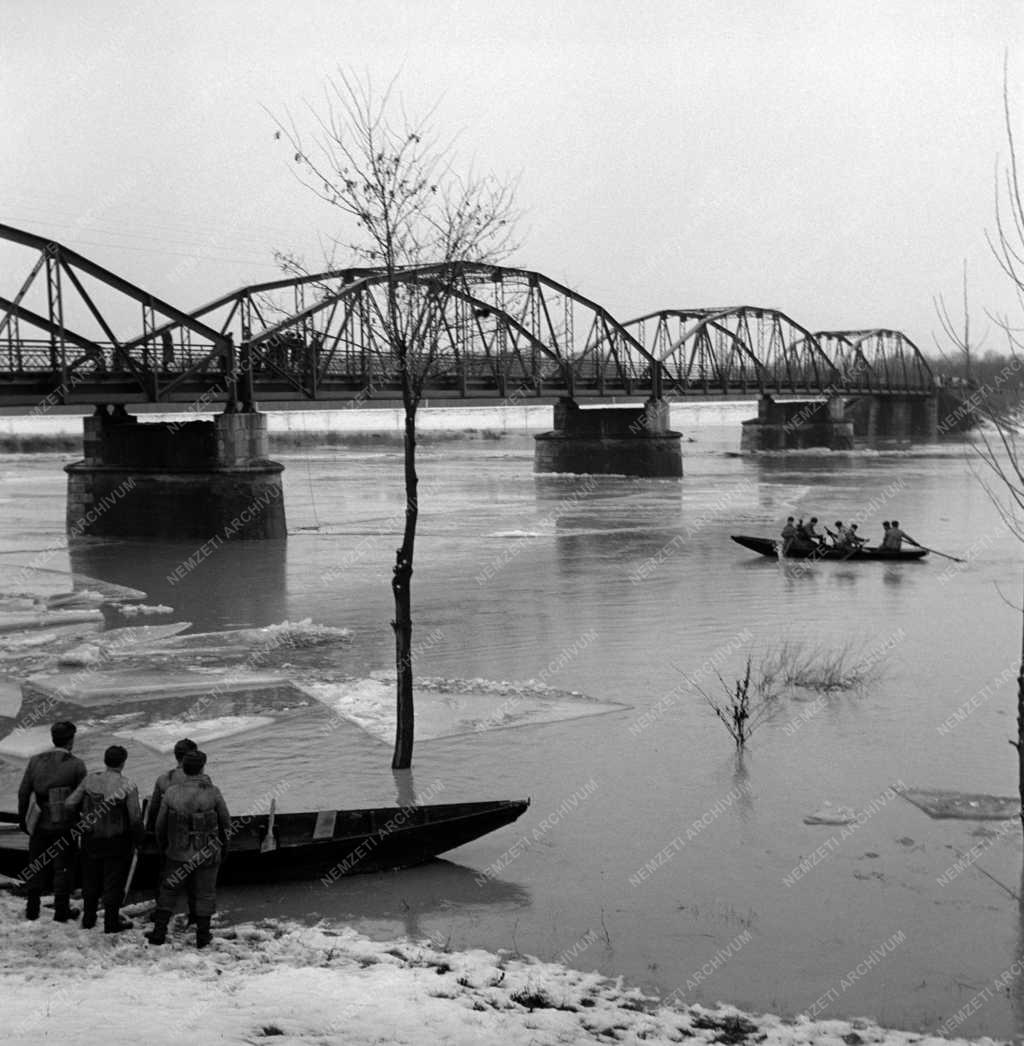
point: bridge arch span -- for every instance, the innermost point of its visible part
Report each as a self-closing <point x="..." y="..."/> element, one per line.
<point x="880" y="359"/>
<point x="735" y="349"/>
<point x="496" y="326"/>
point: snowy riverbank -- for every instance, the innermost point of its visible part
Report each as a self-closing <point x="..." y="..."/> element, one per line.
<point x="330" y="985"/>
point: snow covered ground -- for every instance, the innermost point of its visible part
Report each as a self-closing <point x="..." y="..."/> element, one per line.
<point x="287" y="983"/>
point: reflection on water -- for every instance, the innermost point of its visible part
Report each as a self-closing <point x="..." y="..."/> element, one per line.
<point x="512" y="570"/>
<point x="238" y="585"/>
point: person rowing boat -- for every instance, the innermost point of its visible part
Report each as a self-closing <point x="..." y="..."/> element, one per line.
<point x="894" y="538"/>
<point x="839" y="535"/>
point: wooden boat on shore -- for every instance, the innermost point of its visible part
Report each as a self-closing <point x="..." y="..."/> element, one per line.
<point x="326" y="844"/>
<point x="770" y="547"/>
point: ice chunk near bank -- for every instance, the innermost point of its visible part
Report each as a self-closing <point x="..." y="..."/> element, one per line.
<point x="829" y="814"/>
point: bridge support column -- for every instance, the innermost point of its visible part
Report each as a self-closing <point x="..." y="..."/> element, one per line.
<point x="628" y="441"/>
<point x="203" y="480"/>
<point x="796" y="425"/>
<point x="924" y="420"/>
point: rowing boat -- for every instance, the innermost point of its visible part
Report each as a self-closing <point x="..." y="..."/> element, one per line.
<point x="771" y="547"/>
<point x="325" y="844"/>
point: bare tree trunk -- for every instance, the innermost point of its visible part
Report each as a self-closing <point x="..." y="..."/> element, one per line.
<point x="1019" y="743"/>
<point x="401" y="583"/>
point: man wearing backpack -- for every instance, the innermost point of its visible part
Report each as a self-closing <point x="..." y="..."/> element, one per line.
<point x="49" y="779"/>
<point x="171" y="777"/>
<point x="110" y="827"/>
<point x="192" y="830"/>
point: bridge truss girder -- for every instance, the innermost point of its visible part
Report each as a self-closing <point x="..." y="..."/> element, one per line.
<point x="66" y="333"/>
<point x="490" y="327"/>
<point x="737" y="349"/>
<point x="878" y="360"/>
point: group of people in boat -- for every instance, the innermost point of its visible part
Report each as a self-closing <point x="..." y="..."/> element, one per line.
<point x="90" y="825"/>
<point x="801" y="536"/>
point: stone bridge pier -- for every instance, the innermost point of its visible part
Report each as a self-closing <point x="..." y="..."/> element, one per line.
<point x="798" y="424"/>
<point x="202" y="480"/>
<point x="903" y="418"/>
<point x="629" y="441"/>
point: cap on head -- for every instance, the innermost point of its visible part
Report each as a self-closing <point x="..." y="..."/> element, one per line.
<point x="115" y="756"/>
<point x="193" y="762"/>
<point x="63" y="732"/>
<point x="185" y="745"/>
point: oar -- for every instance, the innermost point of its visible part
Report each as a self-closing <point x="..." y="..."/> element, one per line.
<point x="936" y="552"/>
<point x="269" y="843"/>
<point x="131" y="876"/>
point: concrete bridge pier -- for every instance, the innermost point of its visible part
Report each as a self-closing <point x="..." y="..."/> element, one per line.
<point x="203" y="480"/>
<point x="629" y="441"/>
<point x="798" y="424"/>
<point x="902" y="418"/>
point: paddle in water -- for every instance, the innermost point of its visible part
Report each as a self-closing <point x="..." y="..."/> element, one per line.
<point x="934" y="552"/>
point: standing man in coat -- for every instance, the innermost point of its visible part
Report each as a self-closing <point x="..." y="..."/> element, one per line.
<point x="192" y="830"/>
<point x="49" y="779"/>
<point x="173" y="776"/>
<point x="110" y="827"/>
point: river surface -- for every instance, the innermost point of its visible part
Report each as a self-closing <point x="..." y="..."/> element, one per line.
<point x="650" y="850"/>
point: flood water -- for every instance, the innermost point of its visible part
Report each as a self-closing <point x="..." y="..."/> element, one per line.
<point x="617" y="589"/>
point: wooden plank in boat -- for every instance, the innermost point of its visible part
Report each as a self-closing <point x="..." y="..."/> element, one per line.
<point x="325" y="822"/>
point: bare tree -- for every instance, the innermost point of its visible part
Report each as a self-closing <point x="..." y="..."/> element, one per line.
<point x="410" y="214"/>
<point x="998" y="444"/>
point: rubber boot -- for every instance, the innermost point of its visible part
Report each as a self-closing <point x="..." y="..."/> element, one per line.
<point x="203" y="935"/>
<point x="32" y="906"/>
<point x="89" y="914"/>
<point x="161" y="917"/>
<point x="62" y="910"/>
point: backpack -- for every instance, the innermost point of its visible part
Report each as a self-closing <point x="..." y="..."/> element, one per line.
<point x="104" y="816"/>
<point x="55" y="813"/>
<point x="197" y="834"/>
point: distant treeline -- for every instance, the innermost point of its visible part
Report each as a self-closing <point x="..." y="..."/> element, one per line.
<point x="990" y="385"/>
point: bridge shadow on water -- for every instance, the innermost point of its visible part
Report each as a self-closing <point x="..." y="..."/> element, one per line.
<point x="230" y="585"/>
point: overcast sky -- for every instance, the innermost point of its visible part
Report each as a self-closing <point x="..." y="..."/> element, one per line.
<point x="833" y="160"/>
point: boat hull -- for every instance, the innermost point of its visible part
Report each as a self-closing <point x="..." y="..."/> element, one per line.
<point x="769" y="547"/>
<point x="358" y="841"/>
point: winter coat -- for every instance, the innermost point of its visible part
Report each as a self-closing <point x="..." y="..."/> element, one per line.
<point x="193" y="824"/>
<point x="51" y="777"/>
<point x="109" y="805"/>
<point x="163" y="782"/>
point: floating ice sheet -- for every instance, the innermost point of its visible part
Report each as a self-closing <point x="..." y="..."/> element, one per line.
<point x="163" y="734"/>
<point x="162" y="691"/>
<point x="447" y="708"/>
<point x="58" y="585"/>
<point x="964" y="806"/>
<point x="19" y="621"/>
<point x="119" y="641"/>
<point x="159" y="735"/>
<point x="286" y="635"/>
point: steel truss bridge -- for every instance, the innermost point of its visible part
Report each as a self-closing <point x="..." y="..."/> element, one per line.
<point x="71" y="332"/>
